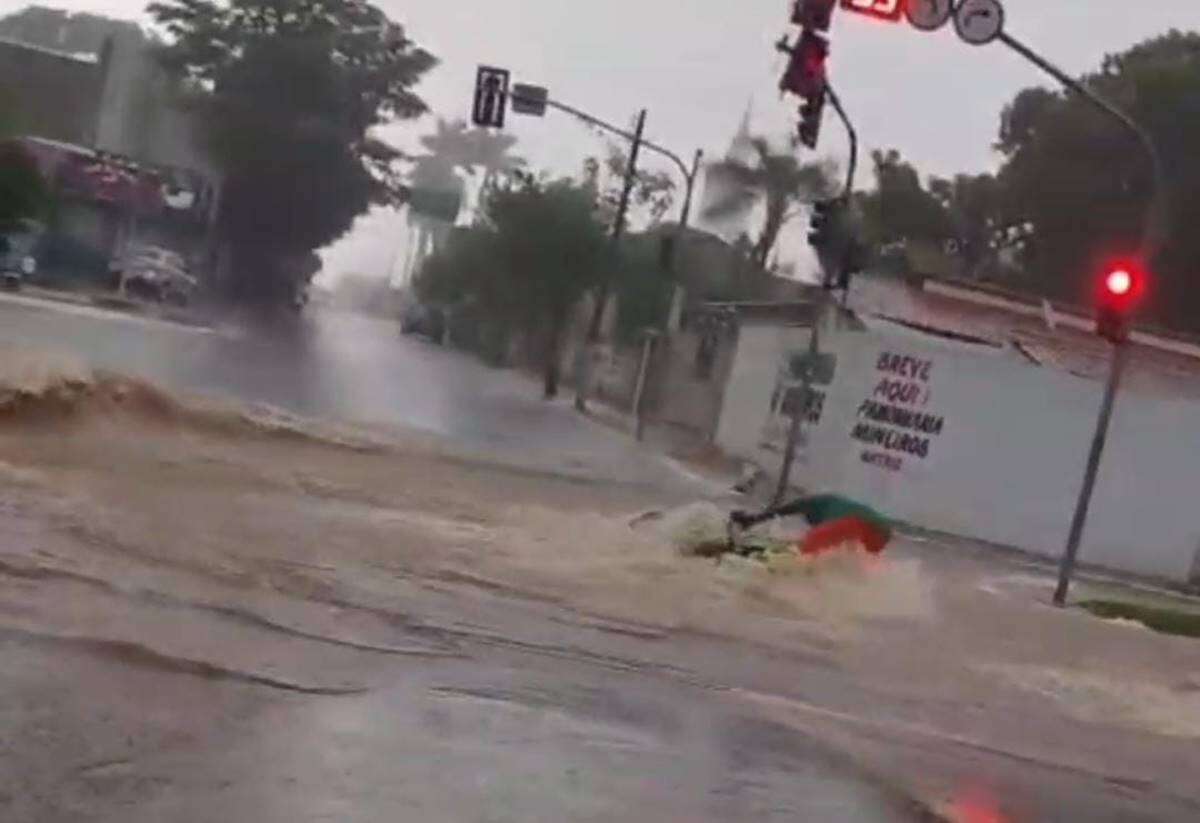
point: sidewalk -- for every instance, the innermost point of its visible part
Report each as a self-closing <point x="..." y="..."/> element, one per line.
<point x="110" y="301"/>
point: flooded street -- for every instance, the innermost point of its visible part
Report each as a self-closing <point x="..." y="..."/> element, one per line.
<point x="209" y="611"/>
<point x="336" y="366"/>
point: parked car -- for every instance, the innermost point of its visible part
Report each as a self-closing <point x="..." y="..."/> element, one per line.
<point x="423" y="320"/>
<point x="19" y="249"/>
<point x="156" y="274"/>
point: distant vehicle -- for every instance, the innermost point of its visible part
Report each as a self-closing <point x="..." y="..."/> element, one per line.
<point x="19" y="253"/>
<point x="426" y="321"/>
<point x="156" y="274"/>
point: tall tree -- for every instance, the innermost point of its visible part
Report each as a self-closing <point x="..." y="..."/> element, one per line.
<point x="900" y="209"/>
<point x="438" y="190"/>
<point x="538" y="248"/>
<point x="652" y="195"/>
<point x="776" y="179"/>
<point x="23" y="193"/>
<point x="1080" y="185"/>
<point x="290" y="90"/>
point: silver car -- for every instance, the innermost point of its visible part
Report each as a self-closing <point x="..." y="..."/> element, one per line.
<point x="156" y="274"/>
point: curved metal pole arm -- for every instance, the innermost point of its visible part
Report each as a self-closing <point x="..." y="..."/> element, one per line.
<point x="853" y="135"/>
<point x="628" y="136"/>
<point x="1156" y="219"/>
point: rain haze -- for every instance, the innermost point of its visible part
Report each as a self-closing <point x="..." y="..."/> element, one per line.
<point x="524" y="498"/>
<point x="699" y="66"/>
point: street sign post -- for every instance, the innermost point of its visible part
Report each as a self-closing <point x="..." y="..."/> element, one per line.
<point x="979" y="22"/>
<point x="929" y="15"/>
<point x="530" y="100"/>
<point x="491" y="97"/>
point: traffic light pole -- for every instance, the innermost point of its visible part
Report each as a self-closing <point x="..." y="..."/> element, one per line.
<point x="796" y="429"/>
<point x="1120" y="356"/>
<point x="1154" y="234"/>
<point x="852" y="166"/>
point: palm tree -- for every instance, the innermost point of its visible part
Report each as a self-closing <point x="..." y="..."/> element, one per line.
<point x="778" y="180"/>
<point x="453" y="148"/>
<point x="490" y="151"/>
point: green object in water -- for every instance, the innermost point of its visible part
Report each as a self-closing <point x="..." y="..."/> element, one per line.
<point x="1165" y="621"/>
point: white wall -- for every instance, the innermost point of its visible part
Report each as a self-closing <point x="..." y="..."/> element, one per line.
<point x="1009" y="460"/>
<point x="746" y="407"/>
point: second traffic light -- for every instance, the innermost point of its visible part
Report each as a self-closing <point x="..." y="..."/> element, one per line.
<point x="805" y="75"/>
<point x="1121" y="290"/>
<point x="812" y="112"/>
<point x="822" y="225"/>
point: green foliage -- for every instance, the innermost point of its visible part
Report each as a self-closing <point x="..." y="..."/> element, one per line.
<point x="1073" y="188"/>
<point x="643" y="286"/>
<point x="288" y="91"/>
<point x="779" y="181"/>
<point x="526" y="263"/>
<point x="1164" y="621"/>
<point x="23" y="193"/>
<point x="1082" y="185"/>
<point x="651" y="198"/>
<point x="900" y="209"/>
<point x="550" y="248"/>
<point x="914" y="223"/>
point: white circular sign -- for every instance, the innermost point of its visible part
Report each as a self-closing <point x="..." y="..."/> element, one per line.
<point x="929" y="15"/>
<point x="979" y="22"/>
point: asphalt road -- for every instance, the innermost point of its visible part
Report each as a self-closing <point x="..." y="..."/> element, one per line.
<point x="199" y="627"/>
<point x="149" y="702"/>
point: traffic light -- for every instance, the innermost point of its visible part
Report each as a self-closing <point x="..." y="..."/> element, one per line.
<point x="805" y="75"/>
<point x="820" y="235"/>
<point x="812" y="111"/>
<point x="854" y="261"/>
<point x="1121" y="289"/>
<point x="814" y="14"/>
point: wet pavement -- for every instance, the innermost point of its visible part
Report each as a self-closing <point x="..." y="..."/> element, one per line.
<point x="338" y="366"/>
<point x="206" y="622"/>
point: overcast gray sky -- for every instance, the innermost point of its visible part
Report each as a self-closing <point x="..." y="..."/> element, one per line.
<point x="696" y="64"/>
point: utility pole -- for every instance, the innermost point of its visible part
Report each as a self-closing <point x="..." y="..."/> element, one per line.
<point x="493" y="84"/>
<point x="586" y="354"/>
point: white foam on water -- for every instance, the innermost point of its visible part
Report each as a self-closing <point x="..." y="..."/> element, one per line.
<point x="1096" y="697"/>
<point x="602" y="563"/>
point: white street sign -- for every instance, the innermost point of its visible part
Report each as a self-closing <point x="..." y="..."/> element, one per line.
<point x="979" y="22"/>
<point x="929" y="15"/>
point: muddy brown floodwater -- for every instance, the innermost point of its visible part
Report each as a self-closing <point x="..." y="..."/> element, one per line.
<point x="207" y="613"/>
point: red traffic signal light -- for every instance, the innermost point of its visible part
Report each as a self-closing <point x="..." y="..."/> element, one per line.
<point x="1121" y="289"/>
<point x="1119" y="283"/>
<point x="805" y="76"/>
